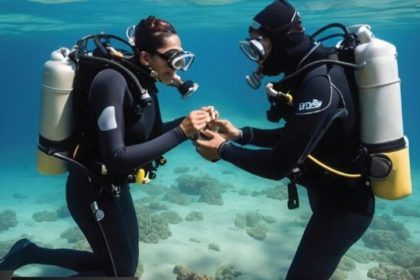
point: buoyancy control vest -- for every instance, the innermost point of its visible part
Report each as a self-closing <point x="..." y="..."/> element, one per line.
<point x="371" y="64"/>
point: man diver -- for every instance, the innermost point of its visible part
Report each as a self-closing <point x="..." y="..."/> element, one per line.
<point x="321" y="119"/>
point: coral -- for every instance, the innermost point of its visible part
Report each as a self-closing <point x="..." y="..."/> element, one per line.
<point x="8" y="220"/>
<point x="243" y="192"/>
<point x="240" y="221"/>
<point x="45" y="216"/>
<point x="359" y="256"/>
<point x="211" y="195"/>
<point x="63" y="212"/>
<point x="227" y="273"/>
<point x="384" y="240"/>
<point x="156" y="205"/>
<point x="339" y="275"/>
<point x="402" y="211"/>
<point x="214" y="247"/>
<point x="347" y="264"/>
<point x="195" y="240"/>
<point x="139" y="270"/>
<point x="382" y="272"/>
<point x="252" y="219"/>
<point x="19" y="196"/>
<point x="269" y="219"/>
<point x="72" y="235"/>
<point x="194" y="216"/>
<point x="181" y="170"/>
<point x="259" y="232"/>
<point x="387" y="234"/>
<point x="185" y="273"/>
<point x="153" y="190"/>
<point x="152" y="227"/>
<point x="222" y="273"/>
<point x="171" y="217"/>
<point x="386" y="222"/>
<point x="415" y="272"/>
<point x="209" y="189"/>
<point x="254" y="224"/>
<point x="82" y="245"/>
<point x="279" y="192"/>
<point x="177" y="197"/>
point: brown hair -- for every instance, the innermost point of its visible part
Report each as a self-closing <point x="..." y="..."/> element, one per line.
<point x="150" y="33"/>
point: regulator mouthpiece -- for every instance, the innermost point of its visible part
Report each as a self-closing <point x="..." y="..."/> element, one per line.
<point x="187" y="88"/>
<point x="254" y="79"/>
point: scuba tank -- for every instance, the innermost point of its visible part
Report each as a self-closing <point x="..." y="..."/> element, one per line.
<point x="381" y="114"/>
<point x="56" y="116"/>
<point x="385" y="154"/>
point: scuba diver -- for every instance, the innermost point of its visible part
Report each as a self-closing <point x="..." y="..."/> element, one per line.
<point x="119" y="140"/>
<point x="321" y="119"/>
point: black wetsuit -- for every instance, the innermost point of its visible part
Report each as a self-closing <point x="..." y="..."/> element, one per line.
<point x="342" y="208"/>
<point x="122" y="140"/>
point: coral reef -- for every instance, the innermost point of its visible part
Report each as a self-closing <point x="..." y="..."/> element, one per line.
<point x="72" y="235"/>
<point x="185" y="273"/>
<point x="382" y="272"/>
<point x="19" y="196"/>
<point x="254" y="223"/>
<point x="194" y="216"/>
<point x="153" y="190"/>
<point x="63" y="212"/>
<point x="8" y="219"/>
<point x="181" y="170"/>
<point x="157" y="205"/>
<point x="171" y="217"/>
<point x="403" y="211"/>
<point x="259" y="232"/>
<point x="279" y="192"/>
<point x="153" y="227"/>
<point x="386" y="234"/>
<point x="222" y="273"/>
<point x="209" y="189"/>
<point x="175" y="196"/>
<point x="45" y="216"/>
<point x="227" y="272"/>
<point x="214" y="247"/>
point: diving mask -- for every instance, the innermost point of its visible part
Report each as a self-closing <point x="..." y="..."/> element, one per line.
<point x="177" y="59"/>
<point x="129" y="33"/>
<point x="253" y="48"/>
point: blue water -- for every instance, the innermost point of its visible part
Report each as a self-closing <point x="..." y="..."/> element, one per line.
<point x="30" y="30"/>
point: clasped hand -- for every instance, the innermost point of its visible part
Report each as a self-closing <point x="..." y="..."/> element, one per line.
<point x="216" y="132"/>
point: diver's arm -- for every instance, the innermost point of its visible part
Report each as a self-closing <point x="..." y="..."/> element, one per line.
<point x="275" y="163"/>
<point x="259" y="137"/>
<point x="107" y="102"/>
<point x="172" y="124"/>
<point x="292" y="143"/>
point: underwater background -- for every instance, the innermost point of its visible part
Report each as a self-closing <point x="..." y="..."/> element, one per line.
<point x="244" y="229"/>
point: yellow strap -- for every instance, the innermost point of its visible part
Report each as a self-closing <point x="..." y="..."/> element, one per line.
<point x="334" y="171"/>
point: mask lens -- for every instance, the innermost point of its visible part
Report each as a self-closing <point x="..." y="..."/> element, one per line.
<point x="182" y="60"/>
<point x="253" y="49"/>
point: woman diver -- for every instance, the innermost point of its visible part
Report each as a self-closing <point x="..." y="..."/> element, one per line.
<point x="121" y="141"/>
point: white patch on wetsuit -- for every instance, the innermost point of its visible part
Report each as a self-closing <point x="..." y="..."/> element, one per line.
<point x="107" y="120"/>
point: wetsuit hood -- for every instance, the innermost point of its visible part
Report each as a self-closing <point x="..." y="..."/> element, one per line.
<point x="281" y="22"/>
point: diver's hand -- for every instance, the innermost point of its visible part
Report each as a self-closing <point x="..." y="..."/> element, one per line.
<point x="196" y="121"/>
<point x="209" y="149"/>
<point x="214" y="114"/>
<point x="226" y="129"/>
